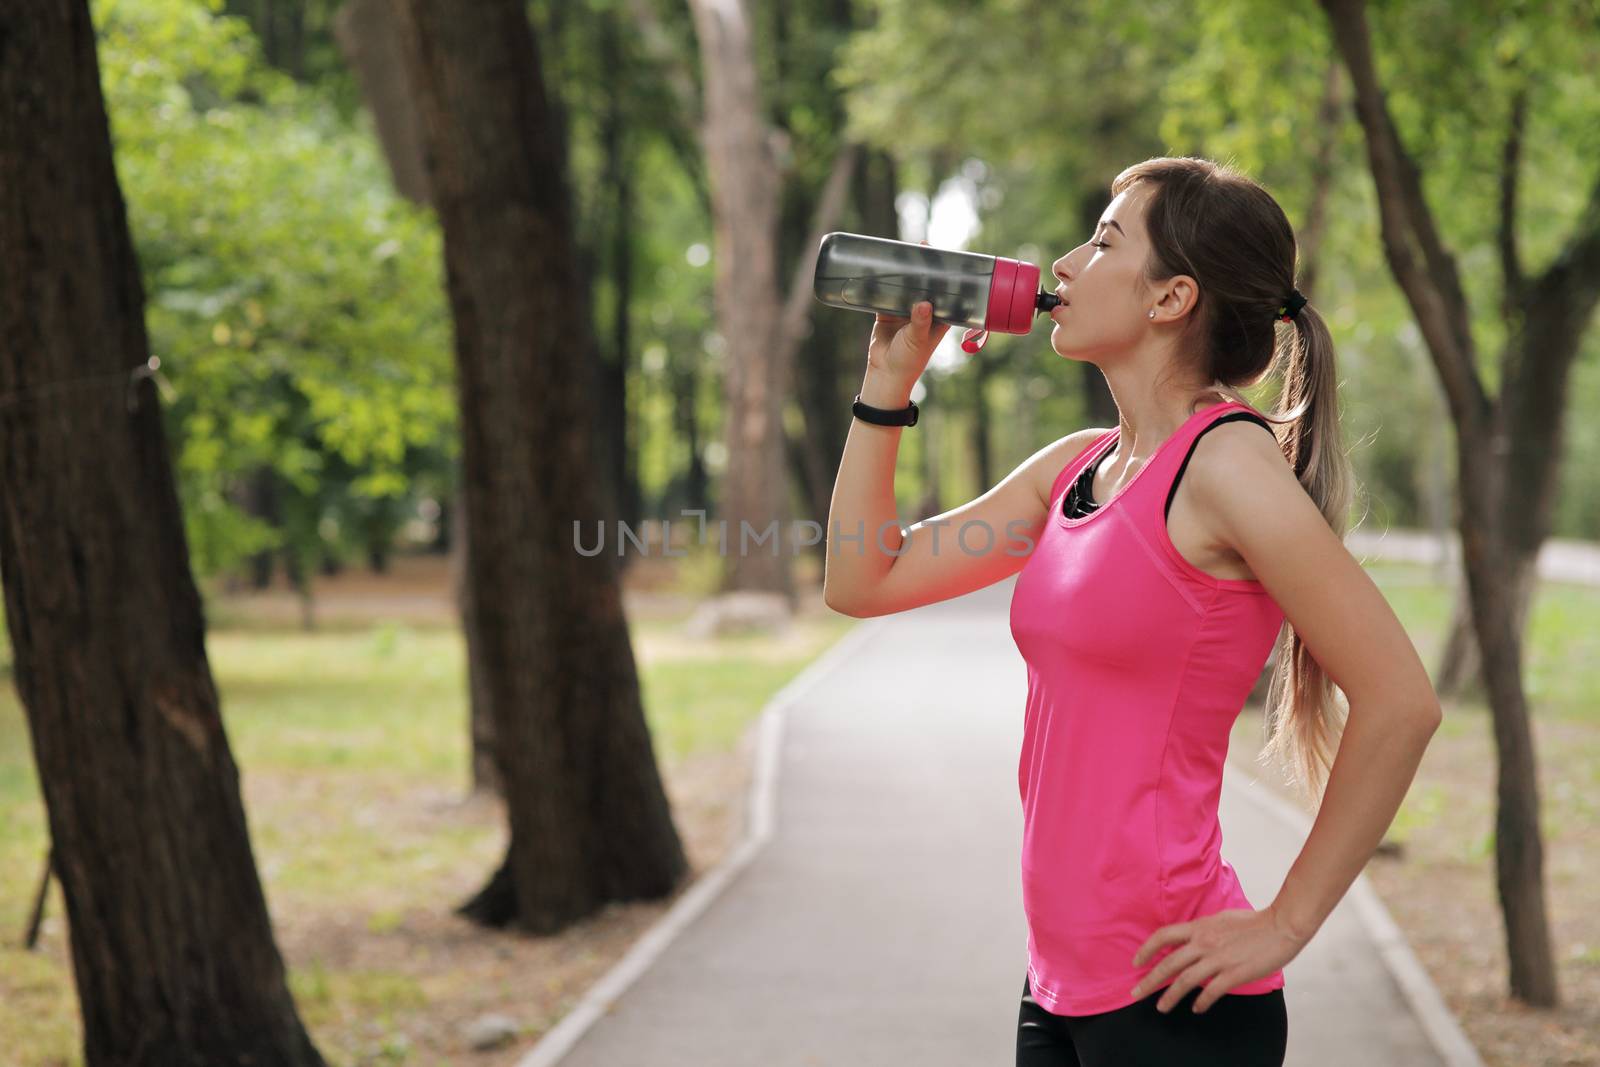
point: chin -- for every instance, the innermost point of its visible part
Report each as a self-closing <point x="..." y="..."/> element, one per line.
<point x="1074" y="354"/>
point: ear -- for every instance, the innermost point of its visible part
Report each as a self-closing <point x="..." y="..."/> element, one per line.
<point x="1179" y="294"/>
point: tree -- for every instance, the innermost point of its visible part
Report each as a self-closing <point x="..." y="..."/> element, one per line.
<point x="172" y="945"/>
<point x="590" y="822"/>
<point x="1507" y="445"/>
<point x="747" y="160"/>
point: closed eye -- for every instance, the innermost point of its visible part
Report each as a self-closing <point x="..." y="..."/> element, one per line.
<point x="1099" y="244"/>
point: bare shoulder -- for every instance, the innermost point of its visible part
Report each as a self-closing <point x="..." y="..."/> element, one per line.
<point x="1240" y="454"/>
<point x="1052" y="459"/>
<point x="1256" y="506"/>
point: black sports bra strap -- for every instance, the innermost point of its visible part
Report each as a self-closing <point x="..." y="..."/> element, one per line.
<point x="1230" y="417"/>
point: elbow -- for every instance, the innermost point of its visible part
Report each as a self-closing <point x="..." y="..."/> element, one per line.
<point x="855" y="607"/>
<point x="1430" y="713"/>
<point x="834" y="603"/>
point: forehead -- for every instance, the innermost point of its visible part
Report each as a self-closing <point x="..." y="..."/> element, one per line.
<point x="1127" y="207"/>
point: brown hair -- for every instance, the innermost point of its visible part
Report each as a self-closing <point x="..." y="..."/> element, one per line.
<point x="1223" y="229"/>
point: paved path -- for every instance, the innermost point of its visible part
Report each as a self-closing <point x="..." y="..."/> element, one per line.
<point x="881" y="922"/>
<point x="1559" y="560"/>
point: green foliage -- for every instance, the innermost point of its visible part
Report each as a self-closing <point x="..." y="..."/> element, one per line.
<point x="294" y="299"/>
<point x="1242" y="83"/>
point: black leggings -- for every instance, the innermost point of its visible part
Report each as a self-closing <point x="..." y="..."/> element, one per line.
<point x="1239" y="1030"/>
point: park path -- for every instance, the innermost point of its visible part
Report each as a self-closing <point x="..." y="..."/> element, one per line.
<point x="874" y="916"/>
<point x="1560" y="560"/>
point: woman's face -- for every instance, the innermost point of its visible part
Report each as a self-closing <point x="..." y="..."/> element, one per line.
<point x="1108" y="302"/>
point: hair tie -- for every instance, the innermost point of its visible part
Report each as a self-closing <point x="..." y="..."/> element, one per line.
<point x="1291" y="307"/>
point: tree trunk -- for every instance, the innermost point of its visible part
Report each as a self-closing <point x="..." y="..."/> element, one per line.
<point x="619" y="182"/>
<point x="1507" y="456"/>
<point x="172" y="947"/>
<point x="744" y="191"/>
<point x="1322" y="176"/>
<point x="367" y="38"/>
<point x="590" y="822"/>
<point x="261" y="491"/>
<point x="833" y="355"/>
<point x="1460" y="671"/>
<point x="485" y="772"/>
<point x="684" y="375"/>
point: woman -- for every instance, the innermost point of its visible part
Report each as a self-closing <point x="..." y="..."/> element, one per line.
<point x="1160" y="561"/>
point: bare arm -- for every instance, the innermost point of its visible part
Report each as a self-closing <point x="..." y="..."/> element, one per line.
<point x="1336" y="609"/>
<point x="873" y="568"/>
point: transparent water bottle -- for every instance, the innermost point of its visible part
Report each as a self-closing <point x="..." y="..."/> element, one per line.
<point x="970" y="289"/>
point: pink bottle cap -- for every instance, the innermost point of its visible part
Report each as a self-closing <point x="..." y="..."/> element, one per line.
<point x="1013" y="296"/>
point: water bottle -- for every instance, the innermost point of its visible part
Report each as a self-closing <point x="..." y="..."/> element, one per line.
<point x="968" y="289"/>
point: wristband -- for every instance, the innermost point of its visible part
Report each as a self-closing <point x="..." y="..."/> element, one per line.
<point x="906" y="416"/>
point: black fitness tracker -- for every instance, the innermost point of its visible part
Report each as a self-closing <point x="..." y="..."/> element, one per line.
<point x="906" y="416"/>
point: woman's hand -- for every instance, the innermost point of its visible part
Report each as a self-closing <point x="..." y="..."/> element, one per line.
<point x="1219" y="951"/>
<point x="901" y="347"/>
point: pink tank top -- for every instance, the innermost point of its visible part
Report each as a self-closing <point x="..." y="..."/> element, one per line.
<point x="1138" y="664"/>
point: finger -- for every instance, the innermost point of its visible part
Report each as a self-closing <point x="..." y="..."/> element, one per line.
<point x="1175" y="992"/>
<point x="1166" y="934"/>
<point x="921" y="318"/>
<point x="1188" y="980"/>
<point x="1170" y="965"/>
<point x="1215" y="989"/>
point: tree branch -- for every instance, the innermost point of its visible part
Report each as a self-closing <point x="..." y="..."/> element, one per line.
<point x="797" y="306"/>
<point x="1422" y="267"/>
<point x="1322" y="168"/>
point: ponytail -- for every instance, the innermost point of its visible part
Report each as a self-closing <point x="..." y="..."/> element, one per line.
<point x="1306" y="711"/>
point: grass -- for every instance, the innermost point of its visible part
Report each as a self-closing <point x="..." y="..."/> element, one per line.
<point x="354" y="758"/>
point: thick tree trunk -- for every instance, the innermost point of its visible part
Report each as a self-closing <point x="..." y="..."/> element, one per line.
<point x="590" y="822"/>
<point x="485" y="770"/>
<point x="1507" y="456"/>
<point x="172" y="947"/>
<point x="745" y="181"/>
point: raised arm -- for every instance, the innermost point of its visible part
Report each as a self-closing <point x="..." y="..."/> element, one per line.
<point x="872" y="568"/>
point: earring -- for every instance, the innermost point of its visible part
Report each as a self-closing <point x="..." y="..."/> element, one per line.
<point x="1152" y="313"/>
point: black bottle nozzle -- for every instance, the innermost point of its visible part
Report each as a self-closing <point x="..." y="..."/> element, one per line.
<point x="1046" y="301"/>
